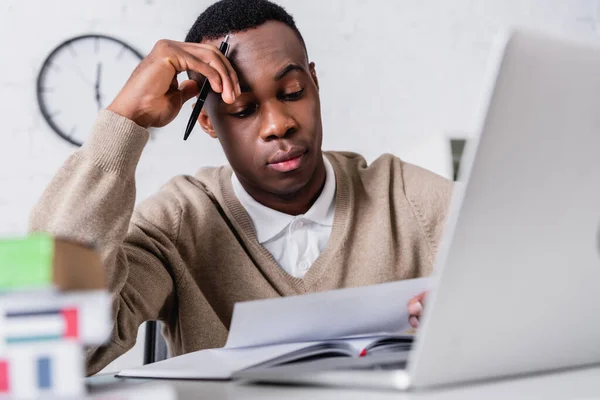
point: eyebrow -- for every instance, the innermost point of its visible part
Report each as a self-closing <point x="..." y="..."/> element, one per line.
<point x="280" y="75"/>
<point x="288" y="68"/>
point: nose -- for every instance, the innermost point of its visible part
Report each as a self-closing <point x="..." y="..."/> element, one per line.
<point x="277" y="122"/>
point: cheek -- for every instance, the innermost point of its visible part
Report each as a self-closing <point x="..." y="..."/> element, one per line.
<point x="309" y="114"/>
<point x="238" y="142"/>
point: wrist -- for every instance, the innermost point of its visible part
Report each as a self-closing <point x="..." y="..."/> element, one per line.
<point x="116" y="143"/>
<point x="133" y="115"/>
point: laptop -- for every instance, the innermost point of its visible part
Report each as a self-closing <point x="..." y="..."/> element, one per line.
<point x="518" y="270"/>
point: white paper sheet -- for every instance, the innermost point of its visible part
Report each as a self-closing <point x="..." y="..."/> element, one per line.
<point x="211" y="364"/>
<point x="265" y="329"/>
<point x="325" y="315"/>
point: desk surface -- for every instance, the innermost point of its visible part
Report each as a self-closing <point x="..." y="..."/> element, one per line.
<point x="572" y="384"/>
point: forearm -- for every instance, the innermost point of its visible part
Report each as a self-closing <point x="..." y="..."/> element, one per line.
<point x="91" y="198"/>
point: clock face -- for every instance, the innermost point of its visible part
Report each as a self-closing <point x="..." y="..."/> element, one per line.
<point x="80" y="77"/>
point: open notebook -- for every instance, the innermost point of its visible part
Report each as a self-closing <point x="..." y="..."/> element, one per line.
<point x="347" y="322"/>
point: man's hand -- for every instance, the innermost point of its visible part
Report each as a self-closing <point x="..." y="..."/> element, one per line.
<point x="152" y="96"/>
<point x="415" y="308"/>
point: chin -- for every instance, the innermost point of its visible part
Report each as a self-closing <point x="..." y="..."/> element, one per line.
<point x="290" y="186"/>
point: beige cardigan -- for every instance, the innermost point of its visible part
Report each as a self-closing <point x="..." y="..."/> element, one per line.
<point x="188" y="253"/>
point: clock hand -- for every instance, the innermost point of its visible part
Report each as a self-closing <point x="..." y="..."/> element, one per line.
<point x="97" y="85"/>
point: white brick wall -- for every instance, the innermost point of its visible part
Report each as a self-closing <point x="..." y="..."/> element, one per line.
<point x="396" y="76"/>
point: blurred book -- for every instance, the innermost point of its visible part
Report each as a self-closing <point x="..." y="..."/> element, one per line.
<point x="41" y="261"/>
<point x="53" y="303"/>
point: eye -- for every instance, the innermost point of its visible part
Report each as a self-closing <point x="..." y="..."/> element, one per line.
<point x="293" y="96"/>
<point x="246" y="112"/>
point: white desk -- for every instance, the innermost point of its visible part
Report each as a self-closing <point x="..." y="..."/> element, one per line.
<point x="573" y="384"/>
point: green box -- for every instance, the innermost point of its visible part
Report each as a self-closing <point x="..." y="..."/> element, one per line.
<point x="26" y="262"/>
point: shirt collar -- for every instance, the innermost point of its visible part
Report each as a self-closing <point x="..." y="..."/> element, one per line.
<point x="268" y="222"/>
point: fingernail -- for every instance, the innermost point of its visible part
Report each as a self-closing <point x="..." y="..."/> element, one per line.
<point x="239" y="90"/>
<point x="414" y="321"/>
<point x="415" y="308"/>
<point x="233" y="96"/>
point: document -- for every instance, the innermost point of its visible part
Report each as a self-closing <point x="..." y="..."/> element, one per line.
<point x="349" y="322"/>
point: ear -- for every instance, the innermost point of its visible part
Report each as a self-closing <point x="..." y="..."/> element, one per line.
<point x="206" y="124"/>
<point x="313" y="73"/>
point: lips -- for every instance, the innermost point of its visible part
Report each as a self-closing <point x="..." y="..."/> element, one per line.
<point x="285" y="161"/>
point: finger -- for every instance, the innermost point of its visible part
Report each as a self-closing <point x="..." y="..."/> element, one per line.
<point x="173" y="55"/>
<point x="174" y="84"/>
<point x="233" y="76"/>
<point x="419" y="298"/>
<point x="200" y="58"/>
<point x="214" y="77"/>
<point x="414" y="322"/>
<point x="213" y="57"/>
<point x="415" y="308"/>
<point x="220" y="76"/>
<point x="188" y="90"/>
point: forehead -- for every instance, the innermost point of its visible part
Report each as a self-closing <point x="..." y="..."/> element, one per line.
<point x="264" y="50"/>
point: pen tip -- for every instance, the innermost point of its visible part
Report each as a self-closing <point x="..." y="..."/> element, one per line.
<point x="226" y="38"/>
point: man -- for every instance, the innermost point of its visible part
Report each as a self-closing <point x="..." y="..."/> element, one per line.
<point x="283" y="219"/>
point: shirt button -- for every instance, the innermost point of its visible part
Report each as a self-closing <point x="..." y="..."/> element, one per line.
<point x="304" y="265"/>
<point x="297" y="224"/>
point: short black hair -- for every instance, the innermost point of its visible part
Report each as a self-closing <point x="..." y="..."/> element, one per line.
<point x="230" y="16"/>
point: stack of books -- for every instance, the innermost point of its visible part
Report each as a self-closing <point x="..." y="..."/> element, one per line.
<point x="53" y="302"/>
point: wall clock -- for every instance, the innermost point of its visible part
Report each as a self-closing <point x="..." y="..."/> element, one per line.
<point x="79" y="77"/>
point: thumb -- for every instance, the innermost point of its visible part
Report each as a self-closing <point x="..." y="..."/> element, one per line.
<point x="188" y="89"/>
<point x="420" y="298"/>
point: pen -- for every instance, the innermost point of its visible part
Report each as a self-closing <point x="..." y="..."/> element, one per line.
<point x="223" y="48"/>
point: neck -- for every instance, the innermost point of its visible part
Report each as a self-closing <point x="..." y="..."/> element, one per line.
<point x="296" y="203"/>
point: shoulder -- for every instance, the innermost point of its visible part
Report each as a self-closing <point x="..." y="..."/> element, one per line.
<point x="427" y="194"/>
<point x="423" y="185"/>
<point x="413" y="180"/>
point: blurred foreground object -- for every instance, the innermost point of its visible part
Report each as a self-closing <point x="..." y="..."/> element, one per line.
<point x="53" y="302"/>
<point x="40" y="261"/>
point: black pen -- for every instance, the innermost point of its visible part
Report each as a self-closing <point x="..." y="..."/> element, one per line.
<point x="223" y="48"/>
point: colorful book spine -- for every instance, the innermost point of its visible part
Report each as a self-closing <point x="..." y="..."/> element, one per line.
<point x="84" y="317"/>
<point x="41" y="325"/>
<point x="32" y="370"/>
<point x="42" y="337"/>
<point x="43" y="331"/>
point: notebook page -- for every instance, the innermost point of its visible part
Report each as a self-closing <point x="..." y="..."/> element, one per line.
<point x="325" y="315"/>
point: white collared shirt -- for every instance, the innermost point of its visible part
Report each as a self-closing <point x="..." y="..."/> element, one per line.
<point x="294" y="241"/>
